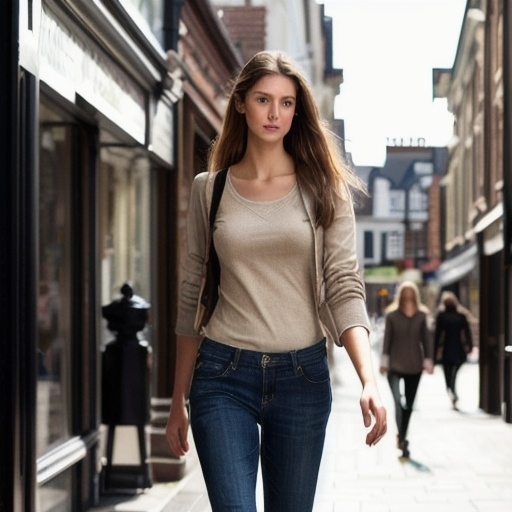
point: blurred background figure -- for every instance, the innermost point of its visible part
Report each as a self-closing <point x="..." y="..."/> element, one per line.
<point x="407" y="351"/>
<point x="453" y="341"/>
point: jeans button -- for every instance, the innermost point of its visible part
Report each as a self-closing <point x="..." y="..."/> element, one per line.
<point x="265" y="360"/>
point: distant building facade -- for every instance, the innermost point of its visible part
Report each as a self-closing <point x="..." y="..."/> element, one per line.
<point x="299" y="29"/>
<point x="394" y="233"/>
<point x="477" y="189"/>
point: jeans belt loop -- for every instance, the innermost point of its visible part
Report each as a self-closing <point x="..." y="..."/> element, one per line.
<point x="236" y="358"/>
<point x="295" y="361"/>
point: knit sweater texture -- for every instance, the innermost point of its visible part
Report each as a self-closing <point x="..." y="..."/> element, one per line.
<point x="285" y="282"/>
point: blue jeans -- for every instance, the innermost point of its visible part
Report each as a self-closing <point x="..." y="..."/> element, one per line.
<point x="288" y="395"/>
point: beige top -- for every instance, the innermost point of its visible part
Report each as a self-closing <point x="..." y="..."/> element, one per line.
<point x="336" y="289"/>
<point x="266" y="253"/>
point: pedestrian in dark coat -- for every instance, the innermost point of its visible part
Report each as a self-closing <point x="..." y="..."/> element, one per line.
<point x="453" y="342"/>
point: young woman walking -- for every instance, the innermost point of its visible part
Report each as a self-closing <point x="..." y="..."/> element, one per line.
<point x="256" y="376"/>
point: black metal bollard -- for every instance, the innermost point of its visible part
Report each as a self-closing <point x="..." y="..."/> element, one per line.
<point x="125" y="388"/>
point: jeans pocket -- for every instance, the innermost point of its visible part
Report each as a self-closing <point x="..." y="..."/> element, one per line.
<point x="211" y="368"/>
<point x="316" y="372"/>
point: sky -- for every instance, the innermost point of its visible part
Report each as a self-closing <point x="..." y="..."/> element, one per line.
<point x="387" y="50"/>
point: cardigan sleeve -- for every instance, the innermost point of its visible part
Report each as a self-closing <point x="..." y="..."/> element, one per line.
<point x="344" y="286"/>
<point x="192" y="266"/>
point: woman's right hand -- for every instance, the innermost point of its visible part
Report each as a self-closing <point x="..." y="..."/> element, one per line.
<point x="176" y="431"/>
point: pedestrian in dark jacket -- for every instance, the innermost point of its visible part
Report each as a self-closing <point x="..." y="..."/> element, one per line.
<point x="453" y="342"/>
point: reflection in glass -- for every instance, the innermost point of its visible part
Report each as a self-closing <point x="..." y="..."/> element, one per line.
<point x="125" y="223"/>
<point x="55" y="495"/>
<point x="54" y="298"/>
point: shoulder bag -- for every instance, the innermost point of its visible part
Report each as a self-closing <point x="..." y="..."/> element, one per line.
<point x="209" y="293"/>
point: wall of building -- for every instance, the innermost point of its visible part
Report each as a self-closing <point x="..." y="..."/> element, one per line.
<point x="472" y="190"/>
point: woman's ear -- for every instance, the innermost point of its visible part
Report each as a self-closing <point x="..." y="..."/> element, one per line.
<point x="239" y="105"/>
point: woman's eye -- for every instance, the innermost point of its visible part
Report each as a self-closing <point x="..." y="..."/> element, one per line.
<point x="262" y="99"/>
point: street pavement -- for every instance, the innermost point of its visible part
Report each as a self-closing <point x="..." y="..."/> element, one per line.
<point x="461" y="461"/>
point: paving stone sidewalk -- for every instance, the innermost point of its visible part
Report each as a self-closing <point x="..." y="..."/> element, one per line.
<point x="461" y="461"/>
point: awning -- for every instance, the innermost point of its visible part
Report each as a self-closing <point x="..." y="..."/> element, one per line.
<point x="454" y="269"/>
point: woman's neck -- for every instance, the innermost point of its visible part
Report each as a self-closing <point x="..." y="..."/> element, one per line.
<point x="264" y="163"/>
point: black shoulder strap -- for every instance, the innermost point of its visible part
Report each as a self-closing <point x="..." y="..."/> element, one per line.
<point x="218" y="188"/>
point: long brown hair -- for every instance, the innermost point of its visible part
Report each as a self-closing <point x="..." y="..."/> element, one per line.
<point x="320" y="168"/>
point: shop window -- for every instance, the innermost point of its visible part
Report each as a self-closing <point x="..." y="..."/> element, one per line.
<point x="64" y="361"/>
<point x="54" y="295"/>
<point x="55" y="495"/>
<point x="368" y="244"/>
<point x="393" y="243"/>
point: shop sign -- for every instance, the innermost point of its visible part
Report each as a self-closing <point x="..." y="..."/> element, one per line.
<point x="57" y="58"/>
<point x="384" y="274"/>
<point x="76" y="67"/>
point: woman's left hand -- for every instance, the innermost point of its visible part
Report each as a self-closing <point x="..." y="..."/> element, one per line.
<point x="373" y="411"/>
<point x="357" y="344"/>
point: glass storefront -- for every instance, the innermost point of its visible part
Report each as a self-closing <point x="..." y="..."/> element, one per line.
<point x="124" y="213"/>
<point x="92" y="138"/>
<point x="55" y="495"/>
<point x="55" y="319"/>
<point x="54" y="299"/>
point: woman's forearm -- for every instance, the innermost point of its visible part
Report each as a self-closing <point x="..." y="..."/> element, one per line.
<point x="186" y="353"/>
<point x="357" y="344"/>
<point x="177" y="427"/>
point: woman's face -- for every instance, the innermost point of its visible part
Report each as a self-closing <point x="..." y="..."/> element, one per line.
<point x="269" y="108"/>
<point x="408" y="296"/>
